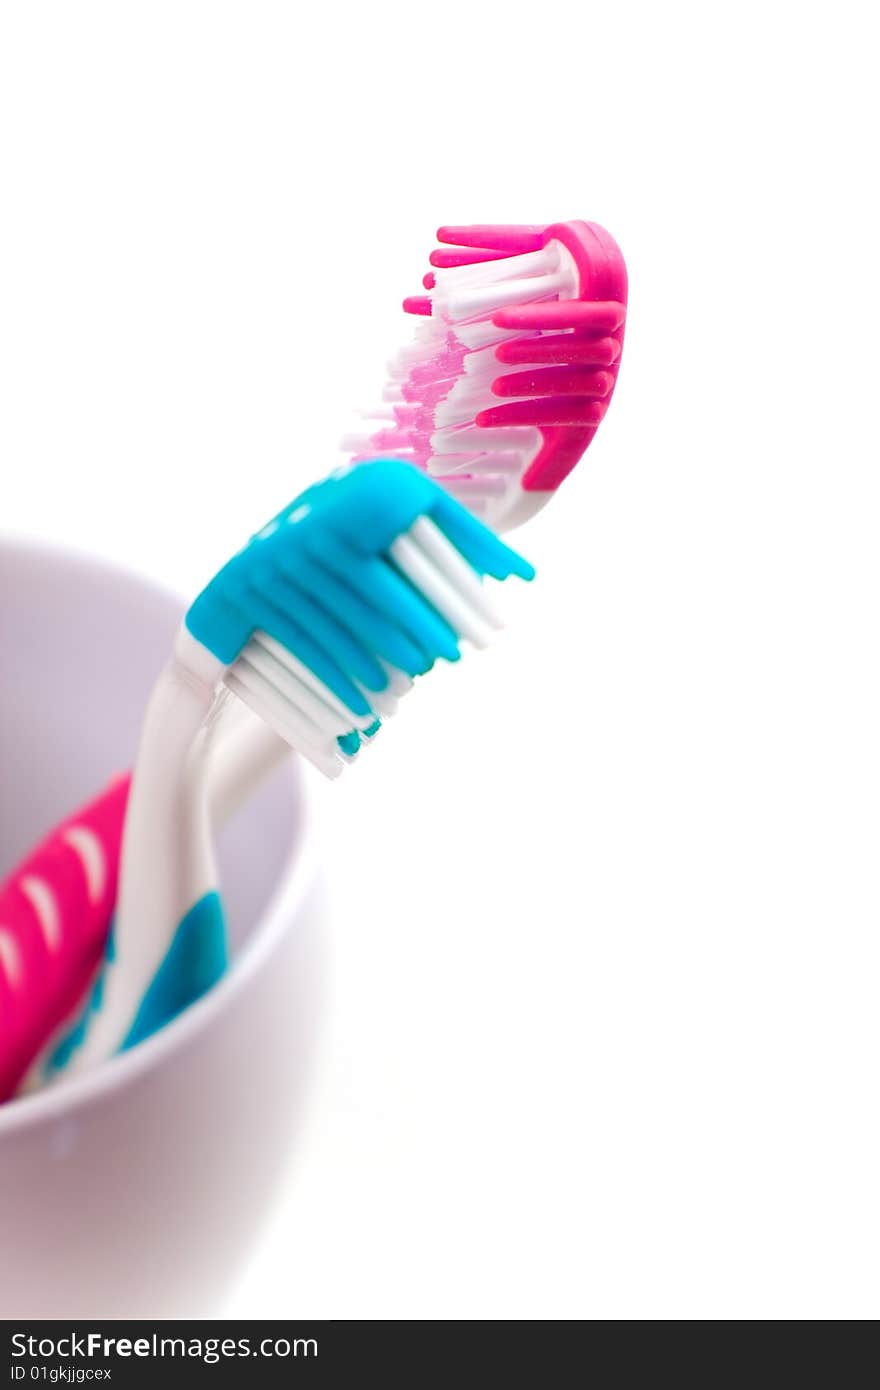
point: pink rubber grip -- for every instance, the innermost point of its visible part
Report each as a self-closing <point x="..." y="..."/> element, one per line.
<point x="55" y="914"/>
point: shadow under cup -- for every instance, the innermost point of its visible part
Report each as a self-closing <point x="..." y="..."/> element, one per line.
<point x="137" y="1189"/>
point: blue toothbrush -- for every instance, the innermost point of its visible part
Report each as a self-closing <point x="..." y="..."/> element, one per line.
<point x="319" y="625"/>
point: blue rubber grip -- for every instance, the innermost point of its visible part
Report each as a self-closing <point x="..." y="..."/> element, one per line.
<point x="195" y="960"/>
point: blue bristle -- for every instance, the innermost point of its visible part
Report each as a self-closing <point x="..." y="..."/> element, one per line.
<point x="319" y="580"/>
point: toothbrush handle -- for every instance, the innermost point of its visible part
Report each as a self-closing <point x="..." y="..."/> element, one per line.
<point x="79" y="862"/>
<point x="55" y="911"/>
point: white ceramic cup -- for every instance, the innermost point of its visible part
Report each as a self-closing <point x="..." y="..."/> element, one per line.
<point x="137" y="1190"/>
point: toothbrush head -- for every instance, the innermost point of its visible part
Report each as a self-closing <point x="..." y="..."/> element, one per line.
<point x="513" y="366"/>
<point x="325" y="617"/>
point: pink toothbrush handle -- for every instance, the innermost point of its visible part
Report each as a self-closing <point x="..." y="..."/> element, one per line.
<point x="55" y="914"/>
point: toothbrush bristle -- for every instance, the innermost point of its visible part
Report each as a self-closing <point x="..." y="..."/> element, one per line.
<point x="288" y="695"/>
<point x="363" y="582"/>
<point x="503" y="297"/>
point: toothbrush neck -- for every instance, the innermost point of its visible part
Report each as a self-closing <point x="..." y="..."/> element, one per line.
<point x="167" y="860"/>
<point x="166" y="849"/>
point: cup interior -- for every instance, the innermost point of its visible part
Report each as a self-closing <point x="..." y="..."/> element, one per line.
<point x="83" y="642"/>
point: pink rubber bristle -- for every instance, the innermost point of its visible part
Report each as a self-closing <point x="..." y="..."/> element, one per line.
<point x="445" y="259"/>
<point x="562" y="380"/>
<point x="570" y="412"/>
<point x="509" y="240"/>
<point x="560" y="349"/>
<point x="586" y="317"/>
<point x="481" y="244"/>
<point x="417" y="304"/>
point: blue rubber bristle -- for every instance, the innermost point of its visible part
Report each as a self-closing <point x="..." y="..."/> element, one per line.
<point x="322" y="581"/>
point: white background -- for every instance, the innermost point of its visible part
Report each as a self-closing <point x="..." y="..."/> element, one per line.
<point x="603" y="1034"/>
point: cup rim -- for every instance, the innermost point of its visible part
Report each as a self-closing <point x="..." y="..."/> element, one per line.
<point x="296" y="879"/>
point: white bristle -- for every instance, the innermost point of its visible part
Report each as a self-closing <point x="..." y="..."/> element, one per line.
<point x="483" y="361"/>
<point x="522" y="267"/>
<point x="357" y="443"/>
<point x="424" y="573"/>
<point x="480" y="367"/>
<point x="467" y="393"/>
<point x="452" y="414"/>
<point x="399" y="683"/>
<point x="385" y="702"/>
<point x="455" y="567"/>
<point x="428" y="331"/>
<point x="444" y="465"/>
<point x="508" y="438"/>
<point x="328" y="720"/>
<point x="464" y="403"/>
<point x="498" y="462"/>
<point x="482" y="333"/>
<point x="278" y="714"/>
<point x="311" y="681"/>
<point x="401" y="366"/>
<point x="482" y="300"/>
<point x="303" y="728"/>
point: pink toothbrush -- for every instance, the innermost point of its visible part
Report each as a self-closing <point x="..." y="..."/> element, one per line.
<point x="55" y="911"/>
<point x="512" y="367"/>
<point x="57" y="905"/>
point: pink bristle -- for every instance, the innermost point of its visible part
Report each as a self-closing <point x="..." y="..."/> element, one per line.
<point x="571" y="411"/>
<point x="443" y="259"/>
<point x="509" y="240"/>
<point x="554" y="381"/>
<point x="559" y="348"/>
<point x="417" y="304"/>
<point x="599" y="316"/>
